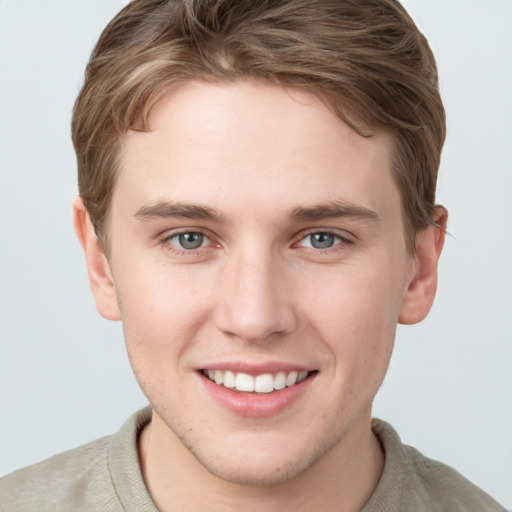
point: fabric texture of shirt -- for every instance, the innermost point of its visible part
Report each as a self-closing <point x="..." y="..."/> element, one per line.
<point x="105" y="476"/>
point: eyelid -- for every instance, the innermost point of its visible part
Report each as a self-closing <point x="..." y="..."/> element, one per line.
<point x="344" y="238"/>
<point x="204" y="241"/>
<point x="167" y="236"/>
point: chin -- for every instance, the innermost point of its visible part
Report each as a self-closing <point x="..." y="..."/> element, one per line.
<point x="262" y="466"/>
<point x="259" y="474"/>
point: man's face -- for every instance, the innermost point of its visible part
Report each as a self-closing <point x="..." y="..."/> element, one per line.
<point x="254" y="238"/>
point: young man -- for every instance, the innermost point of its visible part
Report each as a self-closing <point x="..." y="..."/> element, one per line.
<point x="257" y="205"/>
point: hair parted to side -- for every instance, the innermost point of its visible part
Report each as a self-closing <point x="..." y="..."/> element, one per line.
<point x="365" y="59"/>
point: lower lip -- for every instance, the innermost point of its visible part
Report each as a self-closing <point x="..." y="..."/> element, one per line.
<point x="254" y="405"/>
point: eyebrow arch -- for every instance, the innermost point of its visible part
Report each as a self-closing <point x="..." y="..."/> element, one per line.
<point x="333" y="210"/>
<point x="168" y="210"/>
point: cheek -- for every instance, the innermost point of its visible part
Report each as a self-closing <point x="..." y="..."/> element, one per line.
<point x="159" y="295"/>
<point x="162" y="313"/>
<point x="358" y="300"/>
<point x="162" y="317"/>
<point x="357" y="317"/>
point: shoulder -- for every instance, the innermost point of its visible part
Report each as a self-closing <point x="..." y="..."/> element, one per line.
<point x="411" y="481"/>
<point x="64" y="482"/>
<point x="103" y="475"/>
<point x="444" y="486"/>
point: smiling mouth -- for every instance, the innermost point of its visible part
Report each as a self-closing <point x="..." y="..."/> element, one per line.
<point x="265" y="383"/>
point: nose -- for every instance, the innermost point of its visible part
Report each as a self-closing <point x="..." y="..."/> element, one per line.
<point x="255" y="300"/>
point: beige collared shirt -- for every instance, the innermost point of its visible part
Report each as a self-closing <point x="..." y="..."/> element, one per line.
<point x="105" y="476"/>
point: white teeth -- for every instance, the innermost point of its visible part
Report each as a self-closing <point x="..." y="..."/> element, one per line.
<point x="265" y="383"/>
<point x="280" y="380"/>
<point x="244" y="382"/>
<point x="229" y="379"/>
<point x="291" y="378"/>
<point x="301" y="376"/>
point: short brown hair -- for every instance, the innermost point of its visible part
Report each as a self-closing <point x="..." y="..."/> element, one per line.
<point x="366" y="59"/>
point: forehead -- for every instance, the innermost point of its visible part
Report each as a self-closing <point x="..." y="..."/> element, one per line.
<point x="253" y="144"/>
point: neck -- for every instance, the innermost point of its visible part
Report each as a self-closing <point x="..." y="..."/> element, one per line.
<point x="342" y="480"/>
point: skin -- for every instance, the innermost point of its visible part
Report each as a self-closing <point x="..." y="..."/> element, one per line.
<point x="258" y="291"/>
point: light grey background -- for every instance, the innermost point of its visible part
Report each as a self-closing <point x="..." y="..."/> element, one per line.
<point x="64" y="375"/>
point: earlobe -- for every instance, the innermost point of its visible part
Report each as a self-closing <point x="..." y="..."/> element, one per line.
<point x="98" y="269"/>
<point x="419" y="296"/>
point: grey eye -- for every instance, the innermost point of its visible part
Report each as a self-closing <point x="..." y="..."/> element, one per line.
<point x="191" y="240"/>
<point x="322" y="240"/>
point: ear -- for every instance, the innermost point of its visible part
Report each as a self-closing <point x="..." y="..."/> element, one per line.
<point x="421" y="291"/>
<point x="98" y="268"/>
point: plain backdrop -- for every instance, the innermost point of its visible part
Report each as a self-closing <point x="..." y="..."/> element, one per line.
<point x="64" y="375"/>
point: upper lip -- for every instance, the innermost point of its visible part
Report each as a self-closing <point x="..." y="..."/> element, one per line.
<point x="256" y="368"/>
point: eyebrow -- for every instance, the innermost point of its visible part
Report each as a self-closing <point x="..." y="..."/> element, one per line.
<point x="333" y="210"/>
<point x="330" y="210"/>
<point x="167" y="210"/>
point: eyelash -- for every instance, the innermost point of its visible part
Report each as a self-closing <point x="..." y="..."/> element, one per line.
<point x="342" y="243"/>
<point x="167" y="241"/>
